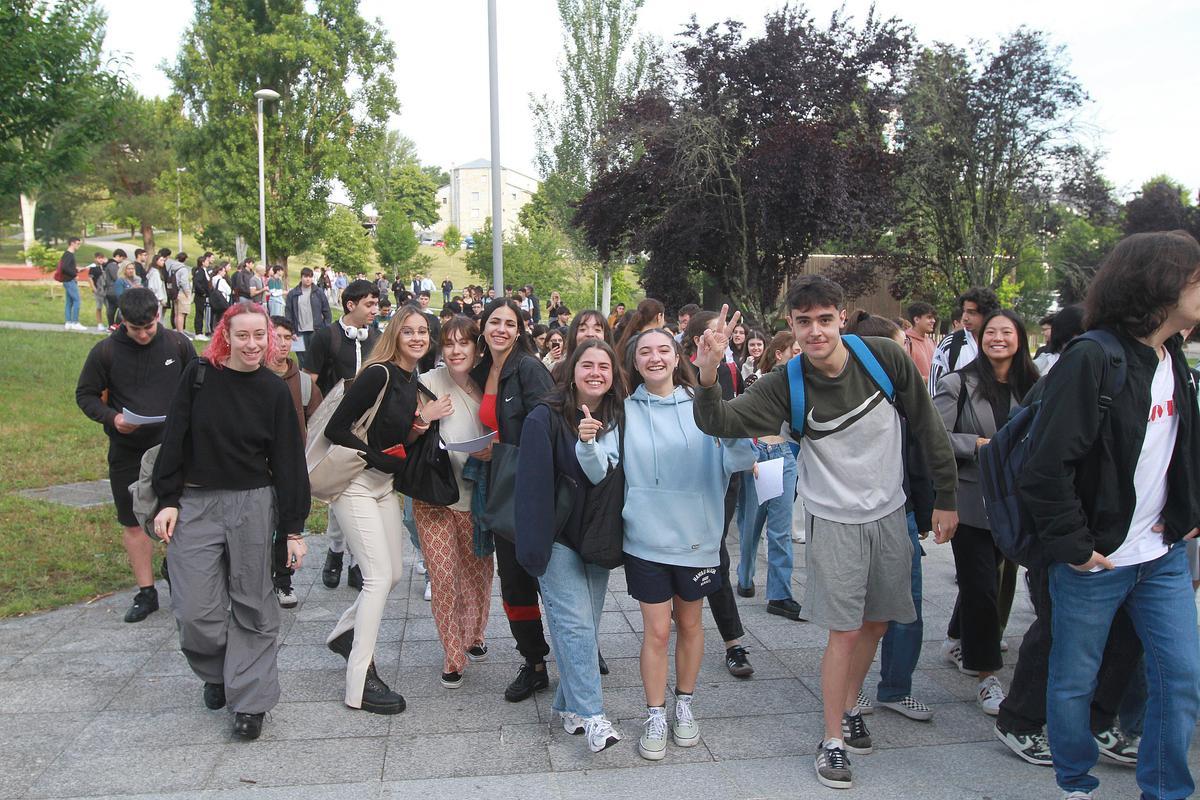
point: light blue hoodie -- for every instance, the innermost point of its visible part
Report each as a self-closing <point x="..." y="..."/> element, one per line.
<point x="675" y="479"/>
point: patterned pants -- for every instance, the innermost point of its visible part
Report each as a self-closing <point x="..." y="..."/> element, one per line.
<point x="461" y="581"/>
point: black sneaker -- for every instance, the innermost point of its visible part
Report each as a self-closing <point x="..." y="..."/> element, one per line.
<point x="855" y="734"/>
<point x="833" y="766"/>
<point x="377" y="697"/>
<point x="785" y="608"/>
<point x="528" y="681"/>
<point x="331" y="573"/>
<point x="145" y="603"/>
<point x="452" y="680"/>
<point x="214" y="696"/>
<point x="603" y="665"/>
<point x="477" y="652"/>
<point x="745" y="591"/>
<point x="247" y="726"/>
<point x="354" y="578"/>
<point x="737" y="662"/>
<point x="1032" y="747"/>
<point x="342" y="644"/>
<point x="166" y="576"/>
<point x="1116" y="746"/>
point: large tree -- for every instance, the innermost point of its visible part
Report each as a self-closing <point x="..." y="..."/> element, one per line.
<point x="333" y="70"/>
<point x="58" y="96"/>
<point x="1162" y="205"/>
<point x="756" y="152"/>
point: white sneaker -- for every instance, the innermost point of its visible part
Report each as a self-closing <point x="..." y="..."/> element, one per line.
<point x="799" y="537"/>
<point x="428" y="591"/>
<point x="572" y="723"/>
<point x="1003" y="646"/>
<point x="991" y="694"/>
<point x="200" y="337"/>
<point x="100" y="326"/>
<point x="421" y="566"/>
<point x="66" y="326"/>
<point x="952" y="652"/>
<point x="653" y="744"/>
<point x="600" y="733"/>
<point x="684" y="730"/>
<point x="287" y="597"/>
<point x="1079" y="796"/>
<point x="79" y="326"/>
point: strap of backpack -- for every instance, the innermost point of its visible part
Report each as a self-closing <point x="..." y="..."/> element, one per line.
<point x="1112" y="380"/>
<point x="795" y="372"/>
<point x="871" y="364"/>
<point x="957" y="343"/>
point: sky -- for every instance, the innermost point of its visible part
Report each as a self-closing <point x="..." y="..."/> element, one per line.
<point x="1137" y="66"/>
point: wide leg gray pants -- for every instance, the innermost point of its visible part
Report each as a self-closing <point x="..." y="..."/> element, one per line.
<point x="222" y="594"/>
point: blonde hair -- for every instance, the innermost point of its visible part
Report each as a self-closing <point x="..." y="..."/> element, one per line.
<point x="387" y="349"/>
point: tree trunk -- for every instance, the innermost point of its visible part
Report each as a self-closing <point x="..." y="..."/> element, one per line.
<point x="147" y="237"/>
<point x="606" y="296"/>
<point x="239" y="249"/>
<point x="28" y="211"/>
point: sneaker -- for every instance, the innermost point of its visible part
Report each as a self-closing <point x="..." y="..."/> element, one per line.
<point x="428" y="591"/>
<point x="354" y="577"/>
<point x="1031" y="747"/>
<point x="785" y="608"/>
<point x="855" y="735"/>
<point x="421" y="567"/>
<point x="864" y="703"/>
<point x="331" y="573"/>
<point x="600" y="733"/>
<point x="286" y="596"/>
<point x="1117" y="746"/>
<point x="1003" y="646"/>
<point x="214" y="696"/>
<point x="745" y="591"/>
<point x="66" y="326"/>
<point x="684" y="729"/>
<point x="833" y="765"/>
<point x="991" y="695"/>
<point x="145" y="603"/>
<point x="952" y="652"/>
<point x="910" y="707"/>
<point x="528" y="681"/>
<point x="100" y="326"/>
<point x="737" y="662"/>
<point x="247" y="726"/>
<point x="653" y="744"/>
<point x="1079" y="796"/>
<point x="200" y="337"/>
<point x="452" y="680"/>
<point x="572" y="723"/>
<point x="477" y="652"/>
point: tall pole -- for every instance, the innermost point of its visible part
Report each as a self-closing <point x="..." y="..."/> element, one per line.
<point x="178" y="206"/>
<point x="262" y="192"/>
<point x="497" y="176"/>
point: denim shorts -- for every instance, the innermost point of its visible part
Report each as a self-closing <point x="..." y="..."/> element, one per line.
<point x="651" y="582"/>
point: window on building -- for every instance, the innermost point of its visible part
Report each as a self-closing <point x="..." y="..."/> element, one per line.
<point x="475" y="197"/>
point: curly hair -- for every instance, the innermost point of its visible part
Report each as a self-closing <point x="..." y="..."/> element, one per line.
<point x="1140" y="281"/>
<point x="218" y="349"/>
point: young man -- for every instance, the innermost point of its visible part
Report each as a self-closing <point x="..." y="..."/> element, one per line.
<point x="917" y="339"/>
<point x="183" y="298"/>
<point x="240" y="281"/>
<point x="615" y="316"/>
<point x="960" y="348"/>
<point x="200" y="281"/>
<point x="684" y="317"/>
<point x="1110" y="487"/>
<point x="447" y="288"/>
<point x="96" y="278"/>
<point x="535" y="310"/>
<point x="307" y="309"/>
<point x="138" y="366"/>
<point x="435" y="332"/>
<point x="851" y="481"/>
<point x="70" y="273"/>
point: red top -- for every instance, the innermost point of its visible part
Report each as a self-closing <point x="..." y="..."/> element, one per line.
<point x="487" y="413"/>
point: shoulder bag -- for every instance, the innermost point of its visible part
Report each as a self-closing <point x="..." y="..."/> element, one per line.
<point x="427" y="474"/>
<point x="331" y="467"/>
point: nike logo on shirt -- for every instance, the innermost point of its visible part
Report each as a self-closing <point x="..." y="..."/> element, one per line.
<point x="837" y="422"/>
<point x="509" y="399"/>
<point x="168" y="362"/>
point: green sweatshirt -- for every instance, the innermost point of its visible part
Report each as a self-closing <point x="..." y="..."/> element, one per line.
<point x="851" y="462"/>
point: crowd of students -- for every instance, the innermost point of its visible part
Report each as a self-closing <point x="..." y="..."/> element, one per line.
<point x="635" y="446"/>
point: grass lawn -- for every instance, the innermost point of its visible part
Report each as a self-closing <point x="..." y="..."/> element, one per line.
<point x="52" y="555"/>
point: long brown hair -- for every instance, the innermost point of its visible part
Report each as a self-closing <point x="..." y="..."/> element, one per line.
<point x="387" y="348"/>
<point x="564" y="399"/>
<point x="781" y="341"/>
<point x="646" y="312"/>
<point x="681" y="376"/>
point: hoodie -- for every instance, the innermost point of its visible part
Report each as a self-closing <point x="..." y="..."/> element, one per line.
<point x="675" y="479"/>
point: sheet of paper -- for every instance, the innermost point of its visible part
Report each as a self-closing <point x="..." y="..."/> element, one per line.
<point x="472" y="445"/>
<point x="298" y="344"/>
<point x="138" y="419"/>
<point x="769" y="483"/>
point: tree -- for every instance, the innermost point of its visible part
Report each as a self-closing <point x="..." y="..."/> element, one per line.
<point x="452" y="241"/>
<point x="58" y="96"/>
<point x="529" y="258"/>
<point x="415" y="194"/>
<point x="1076" y="253"/>
<point x="347" y="245"/>
<point x="333" y="70"/>
<point x="1161" y="205"/>
<point x="395" y="240"/>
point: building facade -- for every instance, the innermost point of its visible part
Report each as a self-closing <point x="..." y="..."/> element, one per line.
<point x="467" y="201"/>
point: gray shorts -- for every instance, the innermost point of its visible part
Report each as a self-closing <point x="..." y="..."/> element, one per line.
<point x="859" y="572"/>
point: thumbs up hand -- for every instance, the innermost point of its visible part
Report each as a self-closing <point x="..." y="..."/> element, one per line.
<point x="589" y="427"/>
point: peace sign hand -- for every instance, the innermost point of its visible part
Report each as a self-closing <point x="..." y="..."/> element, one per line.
<point x="589" y="426"/>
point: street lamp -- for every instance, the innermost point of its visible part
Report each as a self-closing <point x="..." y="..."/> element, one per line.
<point x="497" y="170"/>
<point x="262" y="95"/>
<point x="178" y="208"/>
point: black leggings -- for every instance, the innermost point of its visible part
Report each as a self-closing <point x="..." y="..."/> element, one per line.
<point x="976" y="563"/>
<point x="519" y="590"/>
<point x="721" y="603"/>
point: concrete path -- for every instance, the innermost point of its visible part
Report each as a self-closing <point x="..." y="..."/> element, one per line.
<point x="93" y="707"/>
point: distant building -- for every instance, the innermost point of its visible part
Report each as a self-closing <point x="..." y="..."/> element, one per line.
<point x="467" y="201"/>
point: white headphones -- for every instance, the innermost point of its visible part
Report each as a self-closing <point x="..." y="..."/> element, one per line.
<point x="352" y="332"/>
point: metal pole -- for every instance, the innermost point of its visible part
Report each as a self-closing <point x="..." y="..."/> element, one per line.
<point x="178" y="213"/>
<point x="497" y="178"/>
<point x="262" y="192"/>
<point x="595" y="289"/>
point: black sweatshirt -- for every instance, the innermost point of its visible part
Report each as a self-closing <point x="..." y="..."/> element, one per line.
<point x="394" y="418"/>
<point x="142" y="378"/>
<point x="69" y="270"/>
<point x="239" y="432"/>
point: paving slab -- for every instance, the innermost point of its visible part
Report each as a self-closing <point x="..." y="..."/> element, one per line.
<point x="86" y="494"/>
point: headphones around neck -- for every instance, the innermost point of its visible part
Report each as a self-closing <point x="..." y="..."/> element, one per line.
<point x="352" y="332"/>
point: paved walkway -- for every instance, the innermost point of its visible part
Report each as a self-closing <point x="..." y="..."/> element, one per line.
<point x="91" y="706"/>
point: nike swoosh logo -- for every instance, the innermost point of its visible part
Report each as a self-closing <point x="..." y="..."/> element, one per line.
<point x="509" y="399"/>
<point x="168" y="362"/>
<point x="836" y="422"/>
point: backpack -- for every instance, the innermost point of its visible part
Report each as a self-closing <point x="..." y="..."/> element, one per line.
<point x="145" y="502"/>
<point x="59" y="275"/>
<point x="862" y="354"/>
<point x="1002" y="460"/>
<point x="171" y="283"/>
<point x="107" y="283"/>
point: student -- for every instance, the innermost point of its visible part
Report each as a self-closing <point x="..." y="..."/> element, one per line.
<point x="1066" y="325"/>
<point x="224" y="490"/>
<point x="756" y="345"/>
<point x="98" y="281"/>
<point x="648" y="315"/>
<point x="917" y="339"/>
<point x="684" y="318"/>
<point x="851" y="481"/>
<point x="307" y="308"/>
<point x="200" y="289"/>
<point x="586" y="400"/>
<point x="960" y="347"/>
<point x="555" y="347"/>
<point x="156" y="281"/>
<point x="1111" y="495"/>
<point x="588" y="324"/>
<point x="70" y="272"/>
<point x="737" y="346"/>
<point x="275" y="303"/>
<point x="179" y="270"/>
<point x="136" y="367"/>
<point x="675" y="483"/>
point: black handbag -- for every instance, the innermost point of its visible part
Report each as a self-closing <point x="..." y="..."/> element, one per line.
<point x="500" y="516"/>
<point x="602" y="533"/>
<point x="427" y="474"/>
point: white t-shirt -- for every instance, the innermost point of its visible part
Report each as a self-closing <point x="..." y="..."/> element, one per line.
<point x="1150" y="477"/>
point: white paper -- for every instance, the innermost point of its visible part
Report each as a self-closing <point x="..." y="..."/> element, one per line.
<point x="137" y="419"/>
<point x="472" y="445"/>
<point x="298" y="345"/>
<point x="768" y="484"/>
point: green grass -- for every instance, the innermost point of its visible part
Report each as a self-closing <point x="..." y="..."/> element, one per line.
<point x="52" y="555"/>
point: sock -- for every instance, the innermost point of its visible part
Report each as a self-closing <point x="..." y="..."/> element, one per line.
<point x="832" y="743"/>
<point x="854" y="712"/>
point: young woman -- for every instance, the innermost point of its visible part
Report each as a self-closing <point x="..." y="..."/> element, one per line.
<point x="460" y="581"/>
<point x="128" y="279"/>
<point x="589" y="324"/>
<point x="974" y="403"/>
<point x="1066" y="325"/>
<point x="776" y="513"/>
<point x="756" y="345"/>
<point x="555" y="347"/>
<point x="675" y="482"/>
<point x="737" y="345"/>
<point x="224" y="490"/>
<point x="588" y="399"/>
<point x="648" y="315"/>
<point x="368" y="512"/>
<point x="275" y="291"/>
<point x="513" y="382"/>
<point x="156" y="278"/>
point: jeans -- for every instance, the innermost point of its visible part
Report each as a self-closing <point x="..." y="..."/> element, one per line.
<point x="776" y="514"/>
<point x="902" y="643"/>
<point x="573" y="593"/>
<point x="71" y="307"/>
<point x="1158" y="598"/>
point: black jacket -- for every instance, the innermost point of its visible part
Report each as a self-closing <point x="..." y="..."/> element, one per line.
<point x="321" y="315"/>
<point x="524" y="381"/>
<point x="547" y="450"/>
<point x="1078" y="480"/>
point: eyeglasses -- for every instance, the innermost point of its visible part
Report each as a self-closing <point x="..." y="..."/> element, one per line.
<point x="410" y="332"/>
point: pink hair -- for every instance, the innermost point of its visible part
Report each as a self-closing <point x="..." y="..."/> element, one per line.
<point x="218" y="349"/>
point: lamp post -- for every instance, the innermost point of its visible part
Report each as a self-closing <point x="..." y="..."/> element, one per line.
<point x="262" y="95"/>
<point x="497" y="172"/>
<point x="178" y="208"/>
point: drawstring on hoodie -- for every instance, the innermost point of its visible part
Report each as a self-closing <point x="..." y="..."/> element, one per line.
<point x="654" y="439"/>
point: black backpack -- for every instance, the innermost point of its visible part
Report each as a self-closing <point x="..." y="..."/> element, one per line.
<point x="107" y="282"/>
<point x="172" y="285"/>
<point x="200" y="281"/>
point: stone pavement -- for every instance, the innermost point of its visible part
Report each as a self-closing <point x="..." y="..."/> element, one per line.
<point x="91" y="706"/>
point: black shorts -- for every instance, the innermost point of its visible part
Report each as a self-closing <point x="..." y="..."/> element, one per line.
<point x="651" y="582"/>
<point x="124" y="465"/>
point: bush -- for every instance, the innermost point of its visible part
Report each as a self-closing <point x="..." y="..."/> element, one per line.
<point x="43" y="256"/>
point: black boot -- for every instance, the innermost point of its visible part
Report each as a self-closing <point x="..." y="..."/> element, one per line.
<point x="331" y="573"/>
<point x="528" y="681"/>
<point x="247" y="726"/>
<point x="377" y="697"/>
<point x="145" y="603"/>
<point x="342" y="644"/>
<point x="214" y="696"/>
<point x="603" y="665"/>
<point x="354" y="577"/>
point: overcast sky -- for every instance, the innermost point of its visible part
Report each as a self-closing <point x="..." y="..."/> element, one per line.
<point x="1138" y="66"/>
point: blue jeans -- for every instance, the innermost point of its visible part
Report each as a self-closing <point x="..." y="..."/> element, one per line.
<point x="1158" y="597"/>
<point x="573" y="594"/>
<point x="902" y="643"/>
<point x="776" y="514"/>
<point x="71" y="306"/>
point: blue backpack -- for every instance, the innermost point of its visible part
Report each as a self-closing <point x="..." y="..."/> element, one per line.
<point x="862" y="354"/>
<point x="1002" y="460"/>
